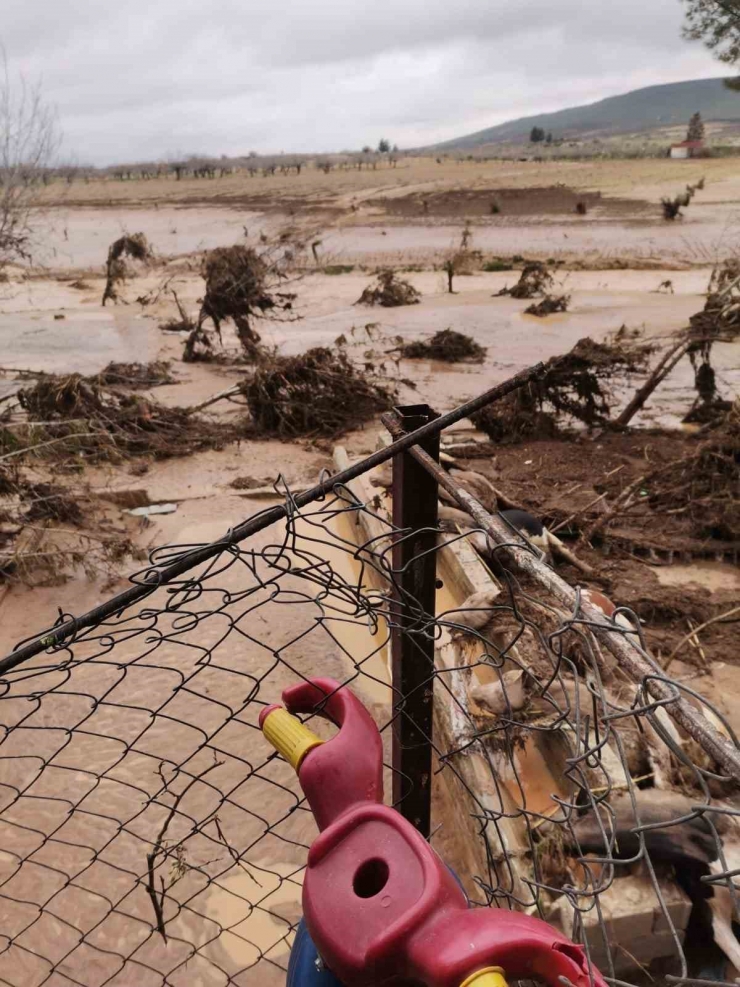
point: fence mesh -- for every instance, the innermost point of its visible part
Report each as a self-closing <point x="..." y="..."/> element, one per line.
<point x="150" y="836"/>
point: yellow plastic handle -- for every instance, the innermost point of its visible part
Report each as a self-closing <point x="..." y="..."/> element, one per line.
<point x="492" y="976"/>
<point x="290" y="738"/>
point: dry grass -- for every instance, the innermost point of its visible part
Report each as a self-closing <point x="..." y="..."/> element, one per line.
<point x="651" y="177"/>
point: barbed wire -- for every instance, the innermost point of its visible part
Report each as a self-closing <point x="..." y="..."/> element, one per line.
<point x="150" y="835"/>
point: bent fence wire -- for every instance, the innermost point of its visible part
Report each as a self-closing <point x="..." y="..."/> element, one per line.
<point x="150" y="836"/>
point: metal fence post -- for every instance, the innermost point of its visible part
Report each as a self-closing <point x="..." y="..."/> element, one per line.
<point x="414" y="564"/>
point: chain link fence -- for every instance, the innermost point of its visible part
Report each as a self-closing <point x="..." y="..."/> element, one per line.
<point x="149" y="835"/>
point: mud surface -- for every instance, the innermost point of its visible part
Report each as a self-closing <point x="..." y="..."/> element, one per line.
<point x="558" y="480"/>
<point x="509" y="202"/>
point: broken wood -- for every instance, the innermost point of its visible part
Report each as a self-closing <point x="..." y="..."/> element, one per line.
<point x="621" y="501"/>
<point x="661" y="371"/>
<point x="230" y="392"/>
<point x="641" y="668"/>
<point x="694" y="631"/>
<point x="558" y="548"/>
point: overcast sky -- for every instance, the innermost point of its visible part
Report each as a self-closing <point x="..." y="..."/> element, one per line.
<point x="146" y="79"/>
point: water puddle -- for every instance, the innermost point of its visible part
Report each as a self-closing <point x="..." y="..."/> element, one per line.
<point x="713" y="576"/>
<point x="249" y="907"/>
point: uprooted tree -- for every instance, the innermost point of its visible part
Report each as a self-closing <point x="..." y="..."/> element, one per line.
<point x="577" y="386"/>
<point x="29" y="139"/>
<point x="131" y="245"/>
<point x="241" y="284"/>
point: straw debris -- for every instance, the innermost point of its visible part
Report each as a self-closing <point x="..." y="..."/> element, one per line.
<point x="318" y="393"/>
<point x="389" y="291"/>
<point x="446" y="345"/>
<point x="535" y="281"/>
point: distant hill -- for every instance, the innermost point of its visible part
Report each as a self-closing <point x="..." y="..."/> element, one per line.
<point x="641" y="110"/>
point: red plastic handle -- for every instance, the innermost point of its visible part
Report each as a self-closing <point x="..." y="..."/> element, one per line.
<point x="348" y="769"/>
<point x="381" y="906"/>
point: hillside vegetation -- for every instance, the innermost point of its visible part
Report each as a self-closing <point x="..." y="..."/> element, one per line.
<point x="641" y="110"/>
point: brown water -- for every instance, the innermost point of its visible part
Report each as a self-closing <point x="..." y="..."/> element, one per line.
<point x="78" y="238"/>
<point x="713" y="576"/>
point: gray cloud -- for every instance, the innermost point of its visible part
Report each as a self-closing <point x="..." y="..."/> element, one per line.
<point x="144" y="80"/>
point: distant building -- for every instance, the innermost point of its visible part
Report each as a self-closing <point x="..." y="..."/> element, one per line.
<point x="687" y="149"/>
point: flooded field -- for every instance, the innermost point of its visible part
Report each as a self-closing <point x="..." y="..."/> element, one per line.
<point x="623" y="266"/>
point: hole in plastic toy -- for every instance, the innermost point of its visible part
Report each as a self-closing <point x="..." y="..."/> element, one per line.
<point x="370" y="878"/>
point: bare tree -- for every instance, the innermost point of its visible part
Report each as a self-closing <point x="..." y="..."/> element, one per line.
<point x="29" y="138"/>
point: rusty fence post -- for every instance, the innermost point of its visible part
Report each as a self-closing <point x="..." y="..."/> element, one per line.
<point x="412" y="649"/>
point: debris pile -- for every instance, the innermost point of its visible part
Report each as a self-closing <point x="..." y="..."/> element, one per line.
<point x="446" y="345"/>
<point x="548" y="306"/>
<point x="318" y="393"/>
<point x="718" y="321"/>
<point x="535" y="281"/>
<point x="575" y="386"/>
<point x="704" y="485"/>
<point x="72" y="415"/>
<point x="137" y="375"/>
<point x="720" y="317"/>
<point x="135" y="246"/>
<point x="389" y="291"/>
<point x="43" y="536"/>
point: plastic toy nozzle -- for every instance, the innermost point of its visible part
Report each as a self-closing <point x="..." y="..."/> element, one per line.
<point x="288" y="735"/>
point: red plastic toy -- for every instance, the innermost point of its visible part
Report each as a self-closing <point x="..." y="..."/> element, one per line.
<point x="380" y="905"/>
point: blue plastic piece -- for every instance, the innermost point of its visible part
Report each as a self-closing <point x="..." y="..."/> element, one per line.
<point x="302" y="969"/>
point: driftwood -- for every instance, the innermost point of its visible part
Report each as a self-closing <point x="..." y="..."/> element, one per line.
<point x="230" y="392"/>
<point x="622" y="499"/>
<point x="638" y="665"/>
<point x="661" y="371"/>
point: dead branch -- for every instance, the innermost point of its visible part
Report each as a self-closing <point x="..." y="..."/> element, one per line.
<point x="161" y="850"/>
<point x="661" y="371"/>
<point x="558" y="548"/>
<point x="694" y="631"/>
<point x="221" y="396"/>
<point x="621" y="501"/>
